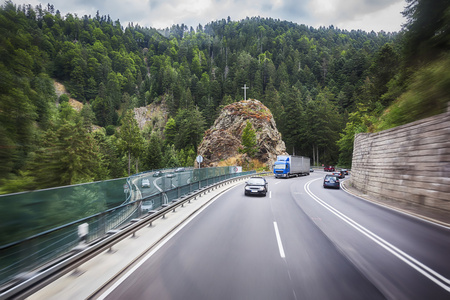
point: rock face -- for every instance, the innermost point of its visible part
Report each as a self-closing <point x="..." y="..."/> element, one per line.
<point x="154" y="114"/>
<point x="222" y="141"/>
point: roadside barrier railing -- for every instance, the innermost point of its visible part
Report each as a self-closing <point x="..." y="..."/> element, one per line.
<point x="20" y="260"/>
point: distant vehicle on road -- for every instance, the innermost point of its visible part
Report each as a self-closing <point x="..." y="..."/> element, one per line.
<point x="147" y="205"/>
<point x="158" y="174"/>
<point x="338" y="174"/>
<point x="256" y="186"/>
<point x="331" y="181"/>
<point x="170" y="175"/>
<point x="181" y="169"/>
<point x="345" y="171"/>
<point x="311" y="170"/>
<point x="145" y="183"/>
<point x="329" y="169"/>
<point x="290" y="165"/>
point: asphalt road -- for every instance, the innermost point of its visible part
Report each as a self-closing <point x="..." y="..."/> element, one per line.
<point x="162" y="183"/>
<point x="299" y="242"/>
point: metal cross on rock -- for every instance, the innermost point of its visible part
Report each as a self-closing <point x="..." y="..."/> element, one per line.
<point x="245" y="87"/>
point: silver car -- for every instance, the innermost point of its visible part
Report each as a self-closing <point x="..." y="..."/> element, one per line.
<point x="145" y="183"/>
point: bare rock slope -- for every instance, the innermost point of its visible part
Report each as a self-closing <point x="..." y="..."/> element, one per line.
<point x="221" y="143"/>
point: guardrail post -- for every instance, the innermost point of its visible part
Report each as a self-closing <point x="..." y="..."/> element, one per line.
<point x="164" y="206"/>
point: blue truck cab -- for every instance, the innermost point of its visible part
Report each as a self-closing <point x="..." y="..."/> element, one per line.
<point x="282" y="166"/>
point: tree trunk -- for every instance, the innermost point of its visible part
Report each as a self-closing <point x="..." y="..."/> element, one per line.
<point x="317" y="154"/>
<point x="314" y="156"/>
<point x="129" y="162"/>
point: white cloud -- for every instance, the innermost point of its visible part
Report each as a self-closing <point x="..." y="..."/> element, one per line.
<point x="388" y="19"/>
<point x="346" y="14"/>
<point x="357" y="14"/>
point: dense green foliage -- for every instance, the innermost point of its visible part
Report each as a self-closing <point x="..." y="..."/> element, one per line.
<point x="408" y="85"/>
<point x="249" y="142"/>
<point x="322" y="85"/>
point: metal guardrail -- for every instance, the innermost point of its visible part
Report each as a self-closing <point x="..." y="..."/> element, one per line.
<point x="52" y="249"/>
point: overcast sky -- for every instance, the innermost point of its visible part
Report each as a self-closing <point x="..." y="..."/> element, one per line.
<point x="367" y="15"/>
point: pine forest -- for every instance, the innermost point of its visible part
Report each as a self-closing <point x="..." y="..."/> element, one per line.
<point x="322" y="86"/>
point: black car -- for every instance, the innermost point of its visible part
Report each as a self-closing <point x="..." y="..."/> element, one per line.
<point x="338" y="174"/>
<point x="157" y="174"/>
<point x="256" y="186"/>
<point x="345" y="171"/>
<point x="331" y="181"/>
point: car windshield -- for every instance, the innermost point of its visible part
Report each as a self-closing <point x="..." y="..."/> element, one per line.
<point x="279" y="166"/>
<point x="256" y="181"/>
<point x="330" y="177"/>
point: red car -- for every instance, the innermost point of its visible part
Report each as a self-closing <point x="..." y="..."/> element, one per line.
<point x="329" y="169"/>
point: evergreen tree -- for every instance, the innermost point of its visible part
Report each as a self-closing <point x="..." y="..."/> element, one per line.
<point x="427" y="31"/>
<point x="170" y="131"/>
<point x="189" y="127"/>
<point x="154" y="158"/>
<point x="67" y="155"/>
<point x="130" y="139"/>
<point x="249" y="142"/>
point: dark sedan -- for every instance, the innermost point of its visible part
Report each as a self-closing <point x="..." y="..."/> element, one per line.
<point x="256" y="186"/>
<point x="331" y="181"/>
<point x="157" y="174"/>
<point x="338" y="174"/>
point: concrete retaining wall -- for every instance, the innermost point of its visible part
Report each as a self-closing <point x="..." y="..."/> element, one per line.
<point x="408" y="166"/>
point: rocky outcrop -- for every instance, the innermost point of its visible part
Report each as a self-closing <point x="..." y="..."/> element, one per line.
<point x="154" y="115"/>
<point x="222" y="141"/>
<point x="60" y="89"/>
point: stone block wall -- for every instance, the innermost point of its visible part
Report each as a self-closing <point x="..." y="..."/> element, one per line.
<point x="408" y="166"/>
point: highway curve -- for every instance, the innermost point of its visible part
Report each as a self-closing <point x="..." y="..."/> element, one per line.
<point x="299" y="242"/>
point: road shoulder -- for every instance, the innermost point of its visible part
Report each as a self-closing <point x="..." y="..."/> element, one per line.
<point x="424" y="213"/>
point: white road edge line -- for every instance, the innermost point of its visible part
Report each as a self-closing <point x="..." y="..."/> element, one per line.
<point x="418" y="266"/>
<point x="280" y="244"/>
<point x="153" y="251"/>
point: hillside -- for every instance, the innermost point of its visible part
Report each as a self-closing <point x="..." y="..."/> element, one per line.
<point x="321" y="84"/>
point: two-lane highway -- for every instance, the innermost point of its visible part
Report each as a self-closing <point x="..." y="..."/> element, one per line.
<point x="299" y="242"/>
